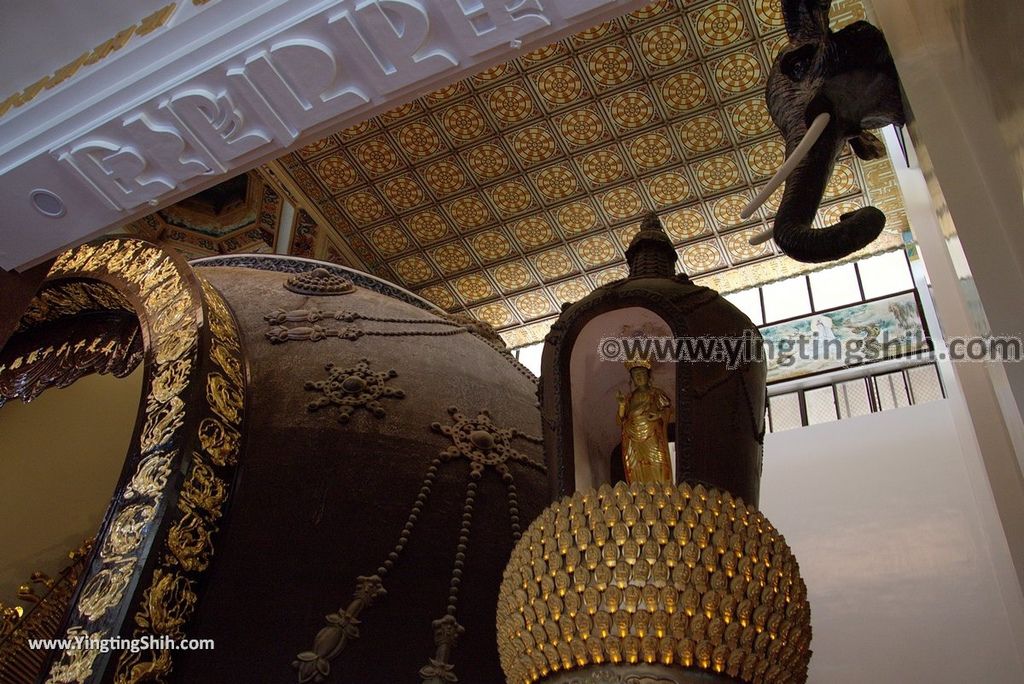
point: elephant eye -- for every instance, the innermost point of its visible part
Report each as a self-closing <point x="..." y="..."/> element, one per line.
<point x="796" y="64"/>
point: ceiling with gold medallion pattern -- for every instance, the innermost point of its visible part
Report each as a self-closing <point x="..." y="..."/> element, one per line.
<point x="511" y="192"/>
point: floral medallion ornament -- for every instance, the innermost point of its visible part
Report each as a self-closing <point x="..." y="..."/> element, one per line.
<point x="751" y="118"/>
<point x="702" y="134"/>
<point x="556" y="182"/>
<point x="482" y="442"/>
<point x="632" y="109"/>
<point x="377" y="156"/>
<point x="464" y="122"/>
<point x="577" y="217"/>
<point x="738" y="73"/>
<point x="452" y="258"/>
<point x="488" y="161"/>
<point x="685" y="224"/>
<point x="495" y="315"/>
<point x="610" y="65"/>
<point x="554" y="263"/>
<point x="533" y="305"/>
<point x="603" y="166"/>
<point x="684" y="91"/>
<point x="427" y="226"/>
<point x="534" y="231"/>
<point x="469" y="212"/>
<point x="513" y="276"/>
<point x="389" y="239"/>
<point x="533" y="144"/>
<point x="719" y="25"/>
<point x="718" y="173"/>
<point x="765" y="157"/>
<point x="354" y="388"/>
<point x="650" y="150"/>
<point x="559" y="85"/>
<point x="404" y="192"/>
<point x="511" y="197"/>
<point x="701" y="257"/>
<point x="336" y="173"/>
<point x="727" y="210"/>
<point x="473" y="288"/>
<point x="511" y="104"/>
<point x="419" y="139"/>
<point x="444" y="177"/>
<point x="664" y="45"/>
<point x="491" y="245"/>
<point x="622" y="202"/>
<point x="596" y="250"/>
<point x="669" y="188"/>
<point x="582" y="126"/>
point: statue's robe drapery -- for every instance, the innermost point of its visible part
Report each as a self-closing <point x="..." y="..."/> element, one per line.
<point x="645" y="454"/>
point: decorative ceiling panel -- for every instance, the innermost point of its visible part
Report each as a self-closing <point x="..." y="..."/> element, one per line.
<point x="511" y="192"/>
<point x="240" y="215"/>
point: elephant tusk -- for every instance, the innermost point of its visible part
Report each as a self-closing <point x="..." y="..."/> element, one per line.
<point x="814" y="132"/>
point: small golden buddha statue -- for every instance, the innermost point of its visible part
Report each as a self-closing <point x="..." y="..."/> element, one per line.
<point x="644" y="416"/>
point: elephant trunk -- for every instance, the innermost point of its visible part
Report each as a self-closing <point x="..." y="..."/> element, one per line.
<point x="804" y="191"/>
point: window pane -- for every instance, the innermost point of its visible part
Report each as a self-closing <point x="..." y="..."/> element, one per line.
<point x="784" y="410"/>
<point x="835" y="287"/>
<point x="924" y="384"/>
<point x="530" y="356"/>
<point x="892" y="391"/>
<point x="786" y="299"/>
<point x="821" y="405"/>
<point x="885" y="274"/>
<point x="853" y="398"/>
<point x="749" y="302"/>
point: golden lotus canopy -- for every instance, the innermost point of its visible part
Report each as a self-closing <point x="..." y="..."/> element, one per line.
<point x="653" y="580"/>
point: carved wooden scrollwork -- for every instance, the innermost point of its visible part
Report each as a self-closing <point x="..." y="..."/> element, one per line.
<point x="55" y="355"/>
<point x="104" y="306"/>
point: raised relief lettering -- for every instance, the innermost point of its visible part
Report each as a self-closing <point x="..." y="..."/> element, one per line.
<point x="133" y="160"/>
<point x="166" y="148"/>
<point x="396" y="35"/>
<point x="486" y="24"/>
<point x="218" y="122"/>
<point x="118" y="173"/>
<point x="299" y="83"/>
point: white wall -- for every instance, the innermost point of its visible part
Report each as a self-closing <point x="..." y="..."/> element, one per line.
<point x="899" y="555"/>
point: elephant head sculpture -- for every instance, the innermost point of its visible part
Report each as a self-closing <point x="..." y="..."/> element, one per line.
<point x="826" y="88"/>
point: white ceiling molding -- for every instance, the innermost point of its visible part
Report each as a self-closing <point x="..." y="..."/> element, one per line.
<point x="218" y="91"/>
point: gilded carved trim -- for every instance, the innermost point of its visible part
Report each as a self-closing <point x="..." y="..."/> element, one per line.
<point x="146" y="26"/>
<point x="47" y="600"/>
<point x="157" y="538"/>
<point x="169" y="600"/>
<point x="101" y="342"/>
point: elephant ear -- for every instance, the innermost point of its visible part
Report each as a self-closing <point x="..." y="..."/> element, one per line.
<point x="806" y="20"/>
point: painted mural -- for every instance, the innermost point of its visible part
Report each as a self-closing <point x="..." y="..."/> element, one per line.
<point x="862" y="333"/>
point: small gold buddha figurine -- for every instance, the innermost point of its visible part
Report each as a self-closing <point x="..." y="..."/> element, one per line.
<point x="644" y="416"/>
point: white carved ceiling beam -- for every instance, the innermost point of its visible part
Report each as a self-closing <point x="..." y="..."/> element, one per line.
<point x="216" y="90"/>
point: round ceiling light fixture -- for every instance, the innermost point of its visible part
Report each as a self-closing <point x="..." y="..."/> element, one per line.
<point x="48" y="203"/>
